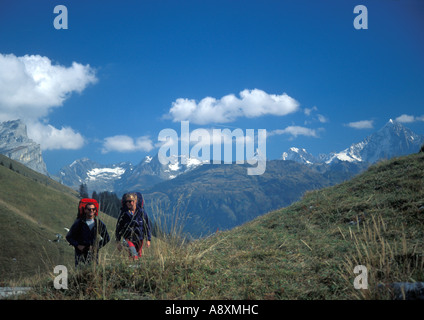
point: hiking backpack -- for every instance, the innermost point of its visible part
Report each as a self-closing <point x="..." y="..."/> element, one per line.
<point x="140" y="208"/>
<point x="83" y="202"/>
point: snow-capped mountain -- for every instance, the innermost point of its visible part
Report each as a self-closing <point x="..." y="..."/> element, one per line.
<point x="96" y="176"/>
<point x="174" y="169"/>
<point x="150" y="172"/>
<point x="392" y="140"/>
<point x="299" y="155"/>
<point x="122" y="177"/>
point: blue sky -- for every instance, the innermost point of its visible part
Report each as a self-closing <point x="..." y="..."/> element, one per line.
<point x="124" y="70"/>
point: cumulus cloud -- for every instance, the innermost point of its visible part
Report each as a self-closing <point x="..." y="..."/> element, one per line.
<point x="295" y="131"/>
<point x="53" y="139"/>
<point x="31" y="86"/>
<point x="251" y="104"/>
<point x="122" y="143"/>
<point x="409" y="119"/>
<point x="364" y="124"/>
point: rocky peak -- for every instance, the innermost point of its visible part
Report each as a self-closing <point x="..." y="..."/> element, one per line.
<point x="394" y="139"/>
<point x="15" y="144"/>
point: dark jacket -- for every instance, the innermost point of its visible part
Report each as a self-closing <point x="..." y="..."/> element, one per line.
<point x="80" y="234"/>
<point x="133" y="227"/>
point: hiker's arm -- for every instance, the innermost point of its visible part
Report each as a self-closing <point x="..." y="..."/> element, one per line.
<point x="119" y="228"/>
<point x="148" y="228"/>
<point x="104" y="234"/>
<point x="70" y="236"/>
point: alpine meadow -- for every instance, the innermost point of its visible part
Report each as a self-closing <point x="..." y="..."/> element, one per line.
<point x="308" y="250"/>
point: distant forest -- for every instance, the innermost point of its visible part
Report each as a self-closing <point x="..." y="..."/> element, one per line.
<point x="108" y="201"/>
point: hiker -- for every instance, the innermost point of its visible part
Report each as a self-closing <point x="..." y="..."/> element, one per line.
<point x="133" y="225"/>
<point x="88" y="233"/>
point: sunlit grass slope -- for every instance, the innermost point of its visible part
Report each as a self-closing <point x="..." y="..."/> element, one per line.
<point x="306" y="251"/>
<point x="34" y="210"/>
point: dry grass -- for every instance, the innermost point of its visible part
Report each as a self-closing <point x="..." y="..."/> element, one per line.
<point x="388" y="256"/>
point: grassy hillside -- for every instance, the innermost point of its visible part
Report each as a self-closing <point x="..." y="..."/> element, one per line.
<point x="305" y="251"/>
<point x="309" y="250"/>
<point x="223" y="196"/>
<point x="33" y="209"/>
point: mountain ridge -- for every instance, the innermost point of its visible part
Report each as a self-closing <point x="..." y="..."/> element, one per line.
<point x="211" y="196"/>
<point x="123" y="176"/>
<point x="393" y="139"/>
<point x="15" y="144"/>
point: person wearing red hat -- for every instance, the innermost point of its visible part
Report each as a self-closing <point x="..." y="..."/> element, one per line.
<point x="87" y="235"/>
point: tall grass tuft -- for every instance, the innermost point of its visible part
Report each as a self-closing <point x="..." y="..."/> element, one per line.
<point x="388" y="256"/>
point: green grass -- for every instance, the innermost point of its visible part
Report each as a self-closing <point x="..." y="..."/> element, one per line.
<point x="305" y="251"/>
<point x="33" y="209"/>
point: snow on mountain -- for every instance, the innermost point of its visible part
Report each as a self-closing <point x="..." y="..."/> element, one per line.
<point x="299" y="155"/>
<point x="348" y="155"/>
<point x="392" y="140"/>
<point x="122" y="177"/>
<point x="176" y="167"/>
<point x="105" y="173"/>
<point x="96" y="176"/>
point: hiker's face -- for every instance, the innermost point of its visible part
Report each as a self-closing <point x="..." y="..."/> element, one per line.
<point x="89" y="212"/>
<point x="130" y="205"/>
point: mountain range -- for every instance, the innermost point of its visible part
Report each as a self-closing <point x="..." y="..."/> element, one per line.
<point x="392" y="140"/>
<point x="206" y="197"/>
<point x="123" y="176"/>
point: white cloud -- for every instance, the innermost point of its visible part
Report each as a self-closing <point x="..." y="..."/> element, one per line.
<point x="308" y="111"/>
<point x="322" y="118"/>
<point x="251" y="104"/>
<point x="31" y="86"/>
<point x="408" y="119"/>
<point x="319" y="117"/>
<point x="295" y="131"/>
<point x="364" y="124"/>
<point x="122" y="143"/>
<point x="53" y="139"/>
